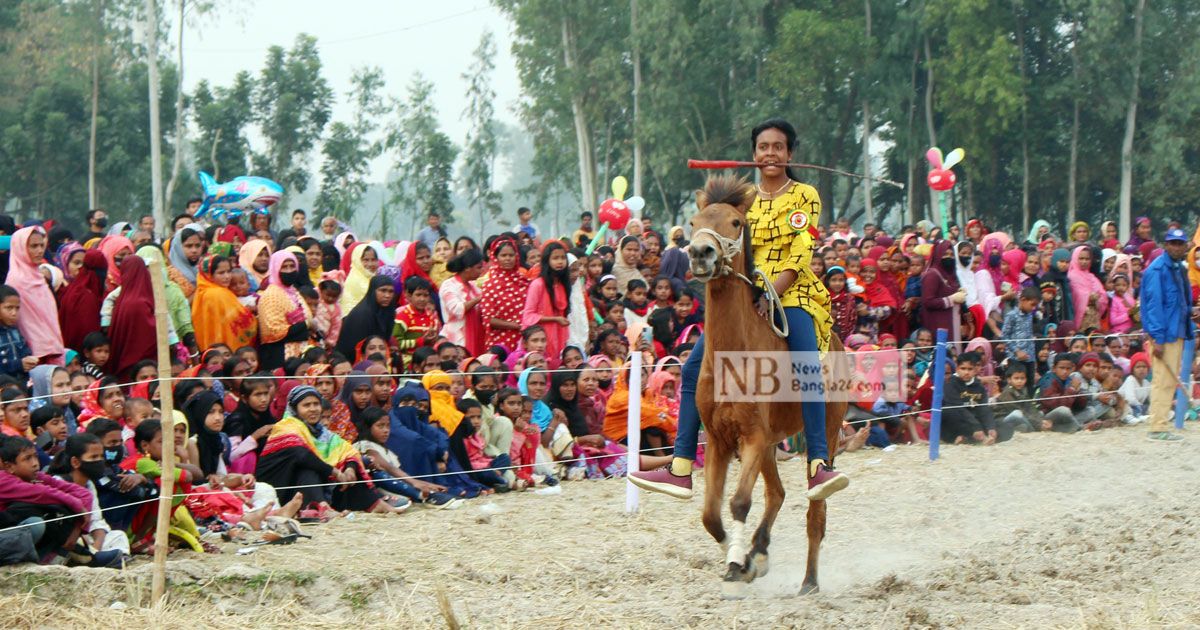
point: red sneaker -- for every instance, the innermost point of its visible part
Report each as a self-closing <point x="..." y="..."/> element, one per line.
<point x="661" y="480"/>
<point x="825" y="482"/>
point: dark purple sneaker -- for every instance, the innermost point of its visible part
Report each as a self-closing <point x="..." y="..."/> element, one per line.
<point x="661" y="480"/>
<point x="826" y="482"/>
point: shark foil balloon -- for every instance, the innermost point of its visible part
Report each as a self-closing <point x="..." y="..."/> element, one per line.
<point x="238" y="195"/>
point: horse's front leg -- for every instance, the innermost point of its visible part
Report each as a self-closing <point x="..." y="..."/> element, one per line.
<point x="751" y="450"/>
<point x="716" y="471"/>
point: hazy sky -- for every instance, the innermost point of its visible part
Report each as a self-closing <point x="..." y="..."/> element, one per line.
<point x="401" y="37"/>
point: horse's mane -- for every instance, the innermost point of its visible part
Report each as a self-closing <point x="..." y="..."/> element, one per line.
<point x="728" y="189"/>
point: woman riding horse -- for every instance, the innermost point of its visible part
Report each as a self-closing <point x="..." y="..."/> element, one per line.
<point x="782" y="225"/>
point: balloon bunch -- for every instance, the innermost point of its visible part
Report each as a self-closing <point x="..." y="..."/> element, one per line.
<point x="942" y="178"/>
<point x="615" y="213"/>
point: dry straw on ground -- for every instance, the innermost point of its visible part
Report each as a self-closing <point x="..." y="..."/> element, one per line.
<point x="1049" y="531"/>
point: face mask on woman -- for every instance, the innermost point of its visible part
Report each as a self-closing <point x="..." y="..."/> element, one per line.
<point x="948" y="264"/>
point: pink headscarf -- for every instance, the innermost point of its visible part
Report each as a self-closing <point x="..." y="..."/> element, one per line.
<point x="1084" y="284"/>
<point x="277" y="260"/>
<point x="1016" y="265"/>
<point x="38" y="318"/>
<point x="111" y="246"/>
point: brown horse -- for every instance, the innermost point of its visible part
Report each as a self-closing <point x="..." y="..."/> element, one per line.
<point x="718" y="253"/>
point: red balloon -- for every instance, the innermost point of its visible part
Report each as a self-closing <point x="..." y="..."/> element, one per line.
<point x="615" y="213"/>
<point x="941" y="179"/>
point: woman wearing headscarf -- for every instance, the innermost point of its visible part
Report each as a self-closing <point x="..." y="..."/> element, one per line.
<point x="255" y="258"/>
<point x="418" y="262"/>
<point x="217" y="315"/>
<point x="941" y="295"/>
<point x="300" y="451"/>
<point x="69" y="258"/>
<point x="343" y="241"/>
<point x="38" y="318"/>
<point x="1140" y="236"/>
<point x="180" y="327"/>
<point x="503" y="296"/>
<point x="283" y="315"/>
<point x="115" y="249"/>
<point x="213" y="448"/>
<point x="83" y="296"/>
<point x="442" y="252"/>
<point x="353" y="398"/>
<point x="358" y="274"/>
<point x="626" y="262"/>
<point x="442" y="410"/>
<point x="186" y="248"/>
<point x="1078" y="234"/>
<point x="1088" y="297"/>
<point x="133" y="323"/>
<point x="374" y="315"/>
<point x="675" y="265"/>
<point x="1055" y="279"/>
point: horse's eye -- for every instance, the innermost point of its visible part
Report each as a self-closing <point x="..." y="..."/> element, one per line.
<point x="737" y="224"/>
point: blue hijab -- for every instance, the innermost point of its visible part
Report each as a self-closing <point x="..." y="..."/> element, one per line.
<point x="542" y="415"/>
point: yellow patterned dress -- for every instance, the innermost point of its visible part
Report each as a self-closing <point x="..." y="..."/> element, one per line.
<point x="783" y="236"/>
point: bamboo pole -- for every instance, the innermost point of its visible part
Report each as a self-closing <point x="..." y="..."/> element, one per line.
<point x="158" y="588"/>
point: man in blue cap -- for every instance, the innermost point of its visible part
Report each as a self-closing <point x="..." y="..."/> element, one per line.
<point x="1165" y="288"/>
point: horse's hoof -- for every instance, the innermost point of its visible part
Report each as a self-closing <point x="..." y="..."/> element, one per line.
<point x="734" y="589"/>
<point x="809" y="589"/>
<point x="759" y="565"/>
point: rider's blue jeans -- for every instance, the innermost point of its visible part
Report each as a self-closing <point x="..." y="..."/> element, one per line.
<point x="802" y="337"/>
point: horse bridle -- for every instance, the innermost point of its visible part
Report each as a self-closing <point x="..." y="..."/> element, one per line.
<point x="727" y="250"/>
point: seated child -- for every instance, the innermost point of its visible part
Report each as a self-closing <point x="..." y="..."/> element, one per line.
<point x="374" y="430"/>
<point x="1058" y="393"/>
<point x="49" y="429"/>
<point x="81" y="462"/>
<point x="1020" y="417"/>
<point x="973" y="422"/>
<point x="36" y="500"/>
<point x="1135" y="391"/>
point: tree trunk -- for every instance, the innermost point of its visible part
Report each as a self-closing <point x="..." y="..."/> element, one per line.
<point x="1025" y="210"/>
<point x="1073" y="172"/>
<point x="583" y="139"/>
<point x="177" y="161"/>
<point x="637" y="89"/>
<point x="910" y="198"/>
<point x="93" y="194"/>
<point x="212" y="157"/>
<point x="156" y="183"/>
<point x="1130" y="126"/>
<point x="868" y="202"/>
<point x="934" y="210"/>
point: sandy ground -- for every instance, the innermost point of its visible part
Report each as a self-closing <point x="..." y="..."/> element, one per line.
<point x="1095" y="530"/>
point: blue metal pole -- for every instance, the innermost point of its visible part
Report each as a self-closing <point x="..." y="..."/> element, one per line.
<point x="1185" y="380"/>
<point x="939" y="382"/>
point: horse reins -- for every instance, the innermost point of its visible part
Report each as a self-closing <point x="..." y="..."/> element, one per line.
<point x="729" y="248"/>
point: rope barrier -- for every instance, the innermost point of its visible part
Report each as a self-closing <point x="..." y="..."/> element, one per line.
<point x="342" y="483"/>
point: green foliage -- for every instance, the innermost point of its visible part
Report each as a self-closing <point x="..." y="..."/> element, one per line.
<point x="294" y="103"/>
<point x="480" y="155"/>
<point x="424" y="157"/>
<point x="350" y="148"/>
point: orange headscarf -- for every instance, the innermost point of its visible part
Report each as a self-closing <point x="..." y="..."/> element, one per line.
<point x="441" y="404"/>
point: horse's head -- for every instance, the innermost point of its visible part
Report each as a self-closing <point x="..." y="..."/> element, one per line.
<point x="719" y="227"/>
